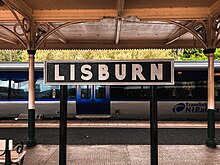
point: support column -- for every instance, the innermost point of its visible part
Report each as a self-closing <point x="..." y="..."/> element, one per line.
<point x="63" y="124"/>
<point x="153" y="126"/>
<point x="31" y="141"/>
<point x="211" y="141"/>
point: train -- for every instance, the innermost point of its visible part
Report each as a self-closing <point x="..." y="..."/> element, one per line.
<point x="186" y="100"/>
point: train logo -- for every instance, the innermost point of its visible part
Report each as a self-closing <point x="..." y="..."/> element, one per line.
<point x="191" y="108"/>
<point x="179" y="107"/>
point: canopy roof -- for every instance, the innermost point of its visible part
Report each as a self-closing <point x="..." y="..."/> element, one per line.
<point x="109" y="24"/>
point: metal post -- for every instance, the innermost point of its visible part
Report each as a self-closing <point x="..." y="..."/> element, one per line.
<point x="7" y="153"/>
<point x="63" y="124"/>
<point x="153" y="126"/>
<point x="31" y="141"/>
<point x="211" y="141"/>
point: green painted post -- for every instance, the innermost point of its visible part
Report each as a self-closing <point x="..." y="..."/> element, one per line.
<point x="211" y="140"/>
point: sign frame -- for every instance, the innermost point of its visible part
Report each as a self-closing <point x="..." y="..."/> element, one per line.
<point x="108" y="62"/>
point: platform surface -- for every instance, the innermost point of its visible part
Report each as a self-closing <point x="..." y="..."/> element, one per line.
<point x="123" y="155"/>
<point x="118" y="154"/>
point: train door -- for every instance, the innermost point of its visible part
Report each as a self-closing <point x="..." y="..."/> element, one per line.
<point x="93" y="99"/>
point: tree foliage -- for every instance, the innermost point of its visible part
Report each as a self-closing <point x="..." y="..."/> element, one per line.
<point x="11" y="55"/>
<point x="41" y="55"/>
<point x="190" y="54"/>
<point x="217" y="54"/>
<point x="193" y="54"/>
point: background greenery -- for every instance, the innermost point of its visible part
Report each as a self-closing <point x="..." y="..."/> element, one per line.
<point x="41" y="55"/>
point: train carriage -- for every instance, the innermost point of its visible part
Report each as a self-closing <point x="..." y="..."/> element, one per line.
<point x="186" y="100"/>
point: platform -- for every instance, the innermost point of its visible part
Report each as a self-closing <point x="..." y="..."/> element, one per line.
<point x="123" y="155"/>
<point x="118" y="154"/>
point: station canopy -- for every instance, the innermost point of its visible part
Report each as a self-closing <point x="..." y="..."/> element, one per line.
<point x="109" y="24"/>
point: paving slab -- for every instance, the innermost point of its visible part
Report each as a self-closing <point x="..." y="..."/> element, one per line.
<point x="123" y="155"/>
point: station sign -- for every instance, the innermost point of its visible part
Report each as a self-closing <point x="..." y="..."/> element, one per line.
<point x="126" y="72"/>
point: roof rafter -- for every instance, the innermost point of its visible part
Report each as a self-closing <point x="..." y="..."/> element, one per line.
<point x="21" y="7"/>
<point x="54" y="15"/>
<point x="72" y="14"/>
<point x="181" y="13"/>
<point x="215" y="8"/>
<point x="120" y="4"/>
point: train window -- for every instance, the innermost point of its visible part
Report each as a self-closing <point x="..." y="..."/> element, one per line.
<point x="116" y="92"/>
<point x="85" y="91"/>
<point x="130" y="92"/>
<point x="72" y="91"/>
<point x="100" y="91"/>
<point x="43" y="91"/>
<point x="184" y="90"/>
<point x="145" y="92"/>
<point x="19" y="89"/>
<point x="166" y="92"/>
<point x="200" y="92"/>
<point x="4" y="86"/>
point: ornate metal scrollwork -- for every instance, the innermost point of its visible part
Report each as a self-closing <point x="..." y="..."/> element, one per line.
<point x="25" y="26"/>
<point x="216" y="24"/>
<point x="216" y="28"/>
<point x="19" y="147"/>
<point x="41" y="29"/>
<point x="199" y="27"/>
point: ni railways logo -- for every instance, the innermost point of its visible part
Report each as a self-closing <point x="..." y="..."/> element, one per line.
<point x="192" y="108"/>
